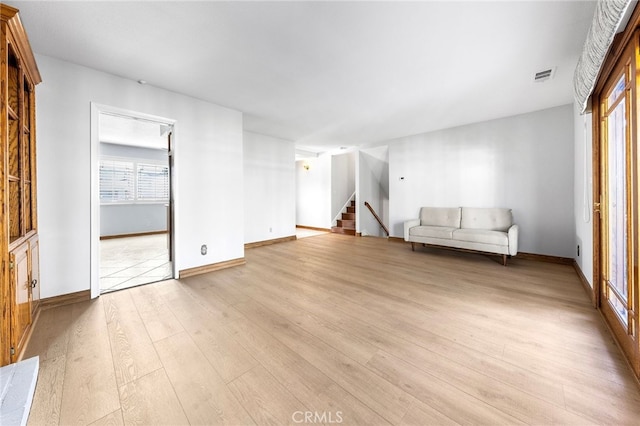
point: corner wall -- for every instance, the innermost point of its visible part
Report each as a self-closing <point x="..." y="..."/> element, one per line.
<point x="313" y="192"/>
<point x="524" y="162"/>
<point x="269" y="188"/>
<point x="373" y="187"/>
<point x="209" y="194"/>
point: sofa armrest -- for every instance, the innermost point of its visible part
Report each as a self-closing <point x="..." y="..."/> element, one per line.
<point x="513" y="240"/>
<point x="408" y="225"/>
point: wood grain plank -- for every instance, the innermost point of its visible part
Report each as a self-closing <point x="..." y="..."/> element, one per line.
<point x="548" y="334"/>
<point x="321" y="326"/>
<point x="50" y="338"/>
<point x="45" y="409"/>
<point x="111" y="419"/>
<point x="388" y="401"/>
<point x="151" y="400"/>
<point x="202" y="322"/>
<point x="439" y="395"/>
<point x="402" y="342"/>
<point x="157" y="316"/>
<point x="90" y="391"/>
<point x="509" y="399"/>
<point x="133" y="353"/>
<point x="356" y="325"/>
<point x="420" y="414"/>
<point x="201" y="391"/>
<point x="310" y="386"/>
<point x="266" y="400"/>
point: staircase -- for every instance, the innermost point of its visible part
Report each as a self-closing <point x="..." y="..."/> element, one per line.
<point x="347" y="225"/>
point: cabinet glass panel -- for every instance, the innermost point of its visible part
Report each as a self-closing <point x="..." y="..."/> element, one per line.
<point x="28" y="226"/>
<point x="14" y="210"/>
<point x="26" y="116"/>
<point x="14" y="149"/>
<point x="13" y="83"/>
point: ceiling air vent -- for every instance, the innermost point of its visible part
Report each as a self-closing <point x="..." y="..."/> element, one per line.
<point x="544" y="75"/>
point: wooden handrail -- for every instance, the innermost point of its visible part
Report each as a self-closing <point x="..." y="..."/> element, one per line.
<point x="377" y="217"/>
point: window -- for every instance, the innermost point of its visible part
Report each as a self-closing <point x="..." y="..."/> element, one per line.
<point x="116" y="181"/>
<point x="128" y="181"/>
<point x="153" y="182"/>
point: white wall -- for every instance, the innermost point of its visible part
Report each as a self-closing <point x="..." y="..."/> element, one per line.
<point x="269" y="188"/>
<point x="208" y="171"/>
<point x="523" y="162"/>
<point x="123" y="219"/>
<point x="313" y="192"/>
<point x="373" y="187"/>
<point x="583" y="193"/>
<point x="343" y="181"/>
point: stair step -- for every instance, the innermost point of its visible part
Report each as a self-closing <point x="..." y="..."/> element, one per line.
<point x="353" y="203"/>
<point x="346" y="231"/>
<point x="351" y="209"/>
<point x="349" y="223"/>
<point x="348" y="216"/>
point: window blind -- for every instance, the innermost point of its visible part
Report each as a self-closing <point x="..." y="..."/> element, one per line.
<point x="116" y="181"/>
<point x="153" y="182"/>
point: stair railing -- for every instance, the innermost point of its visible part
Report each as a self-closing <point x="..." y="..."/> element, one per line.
<point x="377" y="217"/>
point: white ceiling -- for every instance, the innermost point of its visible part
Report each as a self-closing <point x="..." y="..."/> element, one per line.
<point x="328" y="74"/>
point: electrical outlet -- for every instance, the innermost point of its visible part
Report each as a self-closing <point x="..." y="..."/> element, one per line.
<point x="270" y="229"/>
<point x="203" y="249"/>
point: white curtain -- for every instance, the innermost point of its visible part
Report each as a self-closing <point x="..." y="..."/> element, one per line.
<point x="606" y="20"/>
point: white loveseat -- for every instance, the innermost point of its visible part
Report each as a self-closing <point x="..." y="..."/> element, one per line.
<point x="488" y="230"/>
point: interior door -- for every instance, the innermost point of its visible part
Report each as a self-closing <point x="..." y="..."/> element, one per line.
<point x="618" y="203"/>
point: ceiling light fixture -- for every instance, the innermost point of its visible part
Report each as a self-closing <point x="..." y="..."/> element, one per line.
<point x="143" y="82"/>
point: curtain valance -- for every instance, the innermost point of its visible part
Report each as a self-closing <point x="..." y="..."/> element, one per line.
<point x="606" y="20"/>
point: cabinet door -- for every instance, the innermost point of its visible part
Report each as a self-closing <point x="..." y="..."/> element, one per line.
<point x="22" y="293"/>
<point x="34" y="258"/>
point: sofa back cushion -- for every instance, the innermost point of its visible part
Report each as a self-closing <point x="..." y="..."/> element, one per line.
<point x="492" y="219"/>
<point x="440" y="216"/>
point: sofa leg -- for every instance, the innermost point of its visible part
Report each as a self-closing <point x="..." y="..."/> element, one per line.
<point x="504" y="259"/>
<point x="413" y="246"/>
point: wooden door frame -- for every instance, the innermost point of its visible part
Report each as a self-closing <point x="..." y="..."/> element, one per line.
<point x="96" y="110"/>
<point x="629" y="39"/>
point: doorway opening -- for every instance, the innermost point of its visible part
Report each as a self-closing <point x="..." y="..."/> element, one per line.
<point x="131" y="203"/>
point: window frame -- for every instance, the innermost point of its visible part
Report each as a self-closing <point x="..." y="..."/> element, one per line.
<point x="135" y="164"/>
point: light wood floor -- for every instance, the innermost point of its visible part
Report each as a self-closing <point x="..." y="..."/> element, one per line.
<point x="338" y="328"/>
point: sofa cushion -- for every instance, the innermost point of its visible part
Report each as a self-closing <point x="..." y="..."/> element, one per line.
<point x="481" y="236"/>
<point x="440" y="216"/>
<point x="432" y="231"/>
<point x="492" y="219"/>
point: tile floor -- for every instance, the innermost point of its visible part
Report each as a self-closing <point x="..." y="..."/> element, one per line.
<point x="304" y="232"/>
<point x="132" y="261"/>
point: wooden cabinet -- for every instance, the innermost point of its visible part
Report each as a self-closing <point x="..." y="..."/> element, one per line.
<point x="19" y="244"/>
<point x="21" y="316"/>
